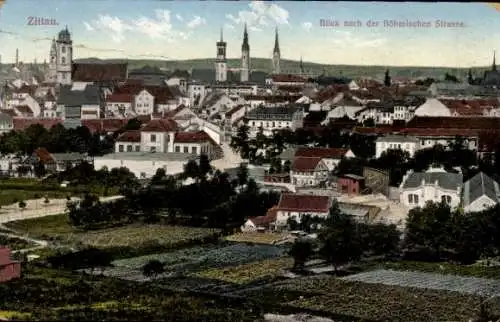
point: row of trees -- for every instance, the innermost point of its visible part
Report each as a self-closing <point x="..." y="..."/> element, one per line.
<point x="220" y="200"/>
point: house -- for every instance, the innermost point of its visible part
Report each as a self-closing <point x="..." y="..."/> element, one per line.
<point x="79" y="102"/>
<point x="49" y="106"/>
<point x="408" y="144"/>
<point x="432" y="107"/>
<point x="59" y="162"/>
<point x="308" y="171"/>
<point x="119" y="105"/>
<point x="6" y="122"/>
<point x="436" y="185"/>
<point x="196" y="143"/>
<point x="343" y="108"/>
<point x="215" y="103"/>
<point x="101" y="73"/>
<point x="351" y="184"/>
<point x="479" y="193"/>
<point x="158" y="135"/>
<point x="9" y="269"/>
<point x="128" y="141"/>
<point x="261" y="223"/>
<point x="330" y="156"/>
<point x="295" y="206"/>
<point x="179" y="78"/>
<point x="274" y="118"/>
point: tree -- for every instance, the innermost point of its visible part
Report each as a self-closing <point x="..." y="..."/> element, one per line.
<point x="22" y="204"/>
<point x="240" y="142"/>
<point x="159" y="176"/>
<point x="450" y="78"/>
<point x="153" y="268"/>
<point x="387" y="78"/>
<point x="287" y="166"/>
<point x="242" y="174"/>
<point x="470" y="78"/>
<point x="46" y="201"/>
<point x="301" y="250"/>
<point x="204" y="167"/>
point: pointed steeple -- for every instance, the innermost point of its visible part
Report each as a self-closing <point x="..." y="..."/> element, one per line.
<point x="245" y="46"/>
<point x="221" y="35"/>
<point x="494" y="67"/>
<point x="276" y="43"/>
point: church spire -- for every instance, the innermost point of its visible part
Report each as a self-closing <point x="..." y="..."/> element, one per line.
<point x="494" y="67"/>
<point x="301" y="66"/>
<point x="276" y="43"/>
<point x="221" y="35"/>
<point x="245" y="46"/>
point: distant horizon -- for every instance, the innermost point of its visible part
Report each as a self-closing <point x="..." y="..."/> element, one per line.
<point x="182" y="30"/>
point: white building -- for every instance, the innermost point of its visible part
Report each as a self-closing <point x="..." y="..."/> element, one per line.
<point x="144" y="103"/>
<point x="295" y="206"/>
<point x="307" y="171"/>
<point x="408" y="144"/>
<point x="436" y="185"/>
<point x="274" y="118"/>
<point x="480" y="193"/>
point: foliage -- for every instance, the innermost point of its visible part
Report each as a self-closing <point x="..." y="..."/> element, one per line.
<point x="301" y="250"/>
<point x="15" y="243"/>
<point x="153" y="268"/>
<point x="22" y="204"/>
<point x="387" y="79"/>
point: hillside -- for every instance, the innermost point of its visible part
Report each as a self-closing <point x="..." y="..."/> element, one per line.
<point x="264" y="64"/>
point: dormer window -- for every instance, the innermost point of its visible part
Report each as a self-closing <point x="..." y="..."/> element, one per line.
<point x="63" y="49"/>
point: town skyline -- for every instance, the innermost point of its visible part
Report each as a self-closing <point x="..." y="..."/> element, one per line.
<point x="183" y="31"/>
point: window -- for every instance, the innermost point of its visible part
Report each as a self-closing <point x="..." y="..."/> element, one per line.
<point x="186" y="149"/>
<point x="194" y="150"/>
<point x="152" y="137"/>
<point x="120" y="148"/>
<point x="129" y="148"/>
<point x="137" y="148"/>
<point x="446" y="199"/>
<point x="410" y="198"/>
<point x="253" y="123"/>
<point x="177" y="149"/>
<point x="63" y="60"/>
<point x="152" y="149"/>
<point x="415" y="198"/>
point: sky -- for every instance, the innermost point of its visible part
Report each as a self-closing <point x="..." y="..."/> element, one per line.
<point x="176" y="30"/>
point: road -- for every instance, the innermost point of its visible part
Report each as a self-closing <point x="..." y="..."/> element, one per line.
<point x="37" y="208"/>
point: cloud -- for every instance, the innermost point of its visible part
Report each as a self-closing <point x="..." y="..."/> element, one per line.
<point x="196" y="22"/>
<point x="346" y="39"/>
<point x="228" y="26"/>
<point x="307" y="25"/>
<point x="179" y="17"/>
<point x="157" y="27"/>
<point x="113" y="26"/>
<point x="260" y="15"/>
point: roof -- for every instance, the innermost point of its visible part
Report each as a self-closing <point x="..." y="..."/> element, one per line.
<point x="104" y="125"/>
<point x="161" y="125"/>
<point x="234" y="110"/>
<point x="89" y="96"/>
<point x="325" y="153"/>
<point x="445" y="180"/>
<point x="288" y="79"/>
<point x="180" y="74"/>
<point x="397" y="138"/>
<point x="478" y="186"/>
<point x="288" y="154"/>
<point x="24" y="123"/>
<point x="272" y="113"/>
<point x="270" y="217"/>
<point x="192" y="137"/>
<point x="148" y="156"/>
<point x="353" y="176"/>
<point x="454" y="122"/>
<point x="23" y="109"/>
<point x="304" y="203"/>
<point x="43" y="155"/>
<point x="72" y="156"/>
<point x="99" y="72"/>
<point x="129" y="136"/>
<point x="120" y="98"/>
<point x="305" y="164"/>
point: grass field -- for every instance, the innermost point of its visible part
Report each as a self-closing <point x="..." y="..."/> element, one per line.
<point x="58" y="228"/>
<point x="248" y="273"/>
<point x="257" y="238"/>
<point x="14" y="243"/>
<point x="445" y="268"/>
<point x="11" y="196"/>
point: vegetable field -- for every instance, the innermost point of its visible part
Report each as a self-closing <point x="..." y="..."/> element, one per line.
<point x="257" y="238"/>
<point x="464" y="285"/>
<point x="196" y="259"/>
<point x="372" y="301"/>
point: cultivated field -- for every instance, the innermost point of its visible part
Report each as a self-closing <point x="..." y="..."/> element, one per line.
<point x="371" y="301"/>
<point x="196" y="259"/>
<point x="257" y="238"/>
<point x="58" y="228"/>
<point x="248" y="273"/>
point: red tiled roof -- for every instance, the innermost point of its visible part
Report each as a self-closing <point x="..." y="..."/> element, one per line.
<point x="98" y="72"/>
<point x="329" y="153"/>
<point x="43" y="155"/>
<point x="290" y="88"/>
<point x="104" y="125"/>
<point x="372" y="130"/>
<point x="430" y="122"/>
<point x="288" y="79"/>
<point x="119" y="98"/>
<point x="270" y="217"/>
<point x="21" y="124"/>
<point x="161" y="125"/>
<point x="129" y="136"/>
<point x="304" y="203"/>
<point x="305" y="164"/>
<point x="440" y="132"/>
<point x="24" y="109"/>
<point x="192" y="137"/>
<point x="161" y="93"/>
<point x="272" y="98"/>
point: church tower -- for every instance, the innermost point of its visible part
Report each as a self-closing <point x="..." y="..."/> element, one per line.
<point x="52" y="72"/>
<point x="220" y="61"/>
<point x="64" y="59"/>
<point x="276" y="54"/>
<point x="245" y="57"/>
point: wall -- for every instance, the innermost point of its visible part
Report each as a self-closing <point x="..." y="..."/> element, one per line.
<point x="429" y="192"/>
<point x="212" y="130"/>
<point x="283" y="216"/>
<point x="480" y="204"/>
<point x="140" y="167"/>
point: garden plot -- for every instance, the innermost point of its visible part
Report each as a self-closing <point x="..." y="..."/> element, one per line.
<point x="433" y="281"/>
<point x="196" y="259"/>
